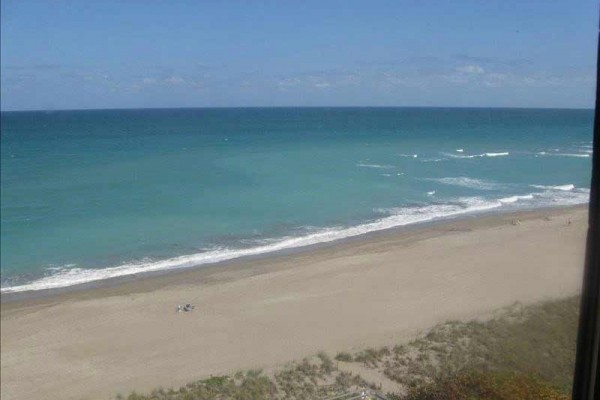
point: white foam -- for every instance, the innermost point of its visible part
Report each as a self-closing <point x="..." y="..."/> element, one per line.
<point x="585" y="147"/>
<point x="580" y="155"/>
<point x="552" y="196"/>
<point x="461" y="155"/>
<point x="400" y="216"/>
<point x="395" y="217"/>
<point x="431" y="193"/>
<point x="555" y="197"/>
<point x="573" y="155"/>
<point x="513" y="199"/>
<point x="378" y="166"/>
<point x="459" y="150"/>
<point x="499" y="154"/>
<point x="564" y="188"/>
<point x="467" y="182"/>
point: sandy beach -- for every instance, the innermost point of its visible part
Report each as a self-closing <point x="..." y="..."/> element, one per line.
<point x="377" y="290"/>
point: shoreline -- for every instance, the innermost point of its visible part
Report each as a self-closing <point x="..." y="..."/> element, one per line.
<point x="262" y="313"/>
<point x="25" y="295"/>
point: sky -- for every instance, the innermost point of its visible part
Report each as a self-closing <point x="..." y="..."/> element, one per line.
<point x="140" y="54"/>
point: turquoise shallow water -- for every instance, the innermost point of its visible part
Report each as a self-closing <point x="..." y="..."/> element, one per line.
<point x="88" y="195"/>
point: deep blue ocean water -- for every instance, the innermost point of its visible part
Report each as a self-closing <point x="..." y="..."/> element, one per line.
<point x="88" y="195"/>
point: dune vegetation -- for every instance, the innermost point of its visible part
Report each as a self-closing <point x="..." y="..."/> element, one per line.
<point x="523" y="352"/>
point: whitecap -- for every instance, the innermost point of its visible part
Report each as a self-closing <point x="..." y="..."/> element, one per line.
<point x="572" y="155"/>
<point x="471" y="183"/>
<point x="499" y="154"/>
<point x="580" y="155"/>
<point x="378" y="166"/>
<point x="564" y="188"/>
<point x="555" y="197"/>
<point x="513" y="199"/>
<point x="461" y="155"/>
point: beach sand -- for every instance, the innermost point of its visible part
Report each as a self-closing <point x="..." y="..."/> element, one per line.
<point x="381" y="289"/>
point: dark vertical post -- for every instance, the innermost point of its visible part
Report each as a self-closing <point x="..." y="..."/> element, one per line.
<point x="586" y="382"/>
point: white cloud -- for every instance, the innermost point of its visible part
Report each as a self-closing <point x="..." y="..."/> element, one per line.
<point x="349" y="79"/>
<point x="320" y="80"/>
<point x="455" y="78"/>
<point x="471" y="69"/>
<point x="171" y="81"/>
<point x="288" y="82"/>
<point x="174" y="81"/>
<point x="307" y="81"/>
<point x="389" y="79"/>
<point x="494" y="79"/>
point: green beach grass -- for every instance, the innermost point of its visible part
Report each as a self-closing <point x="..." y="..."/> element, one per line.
<point x="523" y="352"/>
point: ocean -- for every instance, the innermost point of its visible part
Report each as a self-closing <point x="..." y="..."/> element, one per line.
<point x="89" y="195"/>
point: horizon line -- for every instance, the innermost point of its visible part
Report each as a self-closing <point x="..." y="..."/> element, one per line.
<point x="307" y="107"/>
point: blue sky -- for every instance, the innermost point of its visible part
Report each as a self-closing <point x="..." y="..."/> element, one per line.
<point x="134" y="54"/>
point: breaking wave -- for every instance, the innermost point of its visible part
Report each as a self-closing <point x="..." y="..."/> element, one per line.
<point x="391" y="217"/>
<point x="467" y="182"/>
<point x="378" y="166"/>
<point x="499" y="154"/>
<point x="565" y="188"/>
<point x="587" y="154"/>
